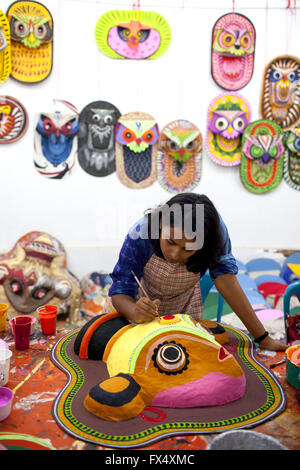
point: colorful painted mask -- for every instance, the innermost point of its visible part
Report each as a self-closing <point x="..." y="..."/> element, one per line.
<point x="5" y="48"/>
<point x="158" y="363"/>
<point x="291" y="160"/>
<point x="94" y="289"/>
<point x="233" y="45"/>
<point x="55" y="144"/>
<point x="227" y="118"/>
<point x="132" y="34"/>
<point x="31" y="26"/>
<point x="136" y="149"/>
<point x="179" y="158"/>
<point x="13" y="120"/>
<point x="280" y="98"/>
<point x="34" y="273"/>
<point x="96" y="138"/>
<point x="262" y="156"/>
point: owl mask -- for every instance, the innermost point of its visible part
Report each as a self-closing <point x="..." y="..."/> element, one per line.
<point x="280" y="98"/>
<point x="13" y="120"/>
<point x="228" y="117"/>
<point x="233" y="44"/>
<point x="179" y="158"/>
<point x="262" y="156"/>
<point x="96" y="139"/>
<point x="31" y="26"/>
<point x="136" y="149"/>
<point x="291" y="159"/>
<point x="5" y="48"/>
<point x="132" y="34"/>
<point x="55" y="144"/>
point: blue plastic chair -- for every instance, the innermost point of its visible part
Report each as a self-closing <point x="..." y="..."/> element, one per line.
<point x="263" y="264"/>
<point x="242" y="267"/>
<point x="286" y="273"/>
<point x="206" y="284"/>
<point x="292" y="289"/>
<point x="255" y="298"/>
<point x="246" y="282"/>
<point x="269" y="278"/>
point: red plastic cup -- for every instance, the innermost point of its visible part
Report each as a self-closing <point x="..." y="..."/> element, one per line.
<point x="22" y="327"/>
<point x="47" y="316"/>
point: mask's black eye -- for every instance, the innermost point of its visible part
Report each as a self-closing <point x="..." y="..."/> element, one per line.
<point x="170" y="358"/>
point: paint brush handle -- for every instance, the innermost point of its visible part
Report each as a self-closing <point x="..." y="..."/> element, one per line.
<point x="143" y="290"/>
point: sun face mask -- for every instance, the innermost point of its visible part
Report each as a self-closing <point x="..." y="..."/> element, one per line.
<point x="13" y="120"/>
<point x="280" y="98"/>
<point x="291" y="160"/>
<point x="96" y="139"/>
<point x="233" y="45"/>
<point x="136" y="149"/>
<point x="227" y="118"/>
<point x="132" y="34"/>
<point x="5" y="48"/>
<point x="179" y="159"/>
<point x="55" y="144"/>
<point x="262" y="156"/>
<point x="31" y="26"/>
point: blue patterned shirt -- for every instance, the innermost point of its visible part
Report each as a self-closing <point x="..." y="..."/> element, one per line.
<point x="137" y="250"/>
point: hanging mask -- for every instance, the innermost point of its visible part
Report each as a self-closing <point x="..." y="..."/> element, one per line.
<point x="291" y="160"/>
<point x="228" y="116"/>
<point x="136" y="149"/>
<point x="262" y="156"/>
<point x="179" y="157"/>
<point x="31" y="26"/>
<point x="280" y="98"/>
<point x="132" y="34"/>
<point x="233" y="45"/>
<point x="96" y="139"/>
<point x="5" y="48"/>
<point x="13" y="120"/>
<point x="55" y="144"/>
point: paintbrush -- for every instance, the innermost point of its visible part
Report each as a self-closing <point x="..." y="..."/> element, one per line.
<point x="144" y="292"/>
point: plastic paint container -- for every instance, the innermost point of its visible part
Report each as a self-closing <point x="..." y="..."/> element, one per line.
<point x="6" y="398"/>
<point x="32" y="326"/>
<point x="3" y="316"/>
<point x="47" y="316"/>
<point x="5" y="355"/>
<point x="293" y="364"/>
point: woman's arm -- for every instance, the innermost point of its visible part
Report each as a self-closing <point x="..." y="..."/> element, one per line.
<point x="144" y="310"/>
<point x="230" y="289"/>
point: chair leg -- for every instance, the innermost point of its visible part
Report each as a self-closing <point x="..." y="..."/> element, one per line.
<point x="220" y="307"/>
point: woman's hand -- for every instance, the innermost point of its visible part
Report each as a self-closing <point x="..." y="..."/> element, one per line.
<point x="272" y="344"/>
<point x="145" y="310"/>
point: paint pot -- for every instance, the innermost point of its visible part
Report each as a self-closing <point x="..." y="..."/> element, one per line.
<point x="3" y="316"/>
<point x="5" y="355"/>
<point x="293" y="364"/>
<point x="21" y="328"/>
<point x="32" y="326"/>
<point x="6" y="398"/>
<point x="47" y="315"/>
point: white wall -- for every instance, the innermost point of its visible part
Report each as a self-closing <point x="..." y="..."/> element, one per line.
<point x="91" y="215"/>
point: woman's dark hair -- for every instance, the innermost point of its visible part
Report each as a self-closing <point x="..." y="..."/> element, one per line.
<point x="213" y="246"/>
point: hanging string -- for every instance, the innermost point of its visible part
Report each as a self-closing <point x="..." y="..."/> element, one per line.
<point x="182" y="68"/>
<point x="233" y="6"/>
<point x="58" y="60"/>
<point x="136" y="5"/>
<point x="290" y="23"/>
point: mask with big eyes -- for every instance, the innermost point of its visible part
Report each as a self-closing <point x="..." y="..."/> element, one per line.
<point x="233" y="45"/>
<point x="13" y="120"/>
<point x="132" y="34"/>
<point x="136" y="149"/>
<point x="280" y="99"/>
<point x="262" y="156"/>
<point x="5" y="48"/>
<point x="228" y="117"/>
<point x="291" y="169"/>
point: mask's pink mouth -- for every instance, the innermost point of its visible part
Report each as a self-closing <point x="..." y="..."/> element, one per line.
<point x="213" y="389"/>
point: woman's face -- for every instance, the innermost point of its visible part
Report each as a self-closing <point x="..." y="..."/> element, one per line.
<point x="174" y="249"/>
